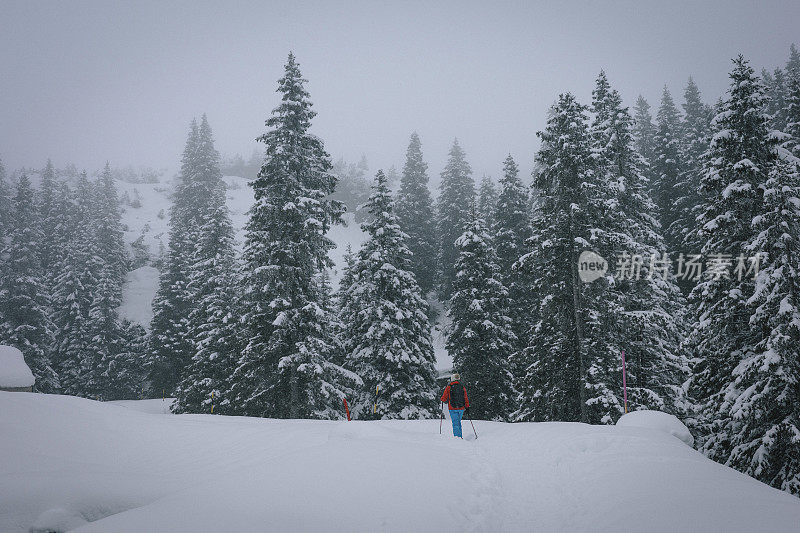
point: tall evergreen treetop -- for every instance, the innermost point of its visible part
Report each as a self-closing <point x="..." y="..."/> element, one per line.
<point x="456" y="198"/>
<point x="5" y="203"/>
<point x="553" y="371"/>
<point x="695" y="139"/>
<point x="512" y="230"/>
<point x="47" y="212"/>
<point x="740" y="156"/>
<point x="415" y="215"/>
<point x="666" y="167"/>
<point x="644" y="134"/>
<point x="279" y="374"/>
<point x="487" y="202"/>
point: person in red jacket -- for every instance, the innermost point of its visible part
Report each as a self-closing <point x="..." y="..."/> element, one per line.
<point x="455" y="396"/>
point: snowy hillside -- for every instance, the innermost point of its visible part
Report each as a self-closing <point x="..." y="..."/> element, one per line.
<point x="67" y="461"/>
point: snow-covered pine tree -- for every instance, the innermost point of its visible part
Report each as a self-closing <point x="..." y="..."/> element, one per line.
<point x="512" y="229"/>
<point x="388" y="341"/>
<point x="74" y="288"/>
<point x="23" y="297"/>
<point x="213" y="320"/>
<point x="415" y="215"/>
<point x="649" y="321"/>
<point x="5" y="205"/>
<point x="124" y="375"/>
<point x="552" y="379"/>
<point x="49" y="215"/>
<point x="793" y="64"/>
<point x="111" y="356"/>
<point x="170" y="345"/>
<point x="776" y="98"/>
<point x="282" y="372"/>
<point x="695" y="137"/>
<point x="666" y="168"/>
<point x="480" y="338"/>
<point x="109" y="233"/>
<point x="644" y="132"/>
<point x="487" y="203"/>
<point x="740" y="155"/>
<point x="98" y="379"/>
<point x="456" y="198"/>
<point x="762" y="418"/>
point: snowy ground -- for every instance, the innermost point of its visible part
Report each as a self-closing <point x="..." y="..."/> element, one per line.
<point x="113" y="468"/>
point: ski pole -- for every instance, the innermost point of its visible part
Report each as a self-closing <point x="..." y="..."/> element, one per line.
<point x="441" y="420"/>
<point x="466" y="411"/>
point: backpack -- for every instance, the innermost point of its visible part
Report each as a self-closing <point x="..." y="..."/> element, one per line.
<point x="457" y="395"/>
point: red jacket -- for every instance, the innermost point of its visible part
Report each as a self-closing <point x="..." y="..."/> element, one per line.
<point x="446" y="397"/>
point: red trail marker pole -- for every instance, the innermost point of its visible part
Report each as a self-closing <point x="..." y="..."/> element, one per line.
<point x="346" y="408"/>
<point x="624" y="382"/>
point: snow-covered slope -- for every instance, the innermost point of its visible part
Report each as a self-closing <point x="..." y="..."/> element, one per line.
<point x="114" y="469"/>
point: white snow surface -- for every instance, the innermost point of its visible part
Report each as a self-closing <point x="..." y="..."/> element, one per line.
<point x="14" y="372"/>
<point x="120" y="470"/>
<point x="659" y="421"/>
<point x="137" y="295"/>
<point x="155" y="406"/>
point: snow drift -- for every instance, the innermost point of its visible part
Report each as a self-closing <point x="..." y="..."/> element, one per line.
<point x="74" y="463"/>
<point x="14" y="373"/>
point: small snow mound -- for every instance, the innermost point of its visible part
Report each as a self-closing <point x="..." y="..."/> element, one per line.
<point x="14" y="372"/>
<point x="657" y="420"/>
<point x="57" y="520"/>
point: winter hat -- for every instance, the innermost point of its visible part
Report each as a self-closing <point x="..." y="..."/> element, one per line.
<point x="456" y="377"/>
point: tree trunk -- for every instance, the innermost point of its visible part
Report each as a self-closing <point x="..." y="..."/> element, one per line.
<point x="576" y="310"/>
<point x="294" y="396"/>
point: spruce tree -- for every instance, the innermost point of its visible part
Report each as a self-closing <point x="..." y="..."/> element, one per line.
<point x="762" y="413"/>
<point x="512" y="229"/>
<point x="213" y="320"/>
<point x="282" y="372"/>
<point x="388" y="340"/>
<point x="552" y="379"/>
<point x="792" y="142"/>
<point x="649" y="322"/>
<point x="415" y="215"/>
<point x="109" y="233"/>
<point x="793" y="64"/>
<point x="456" y="197"/>
<point x="480" y="337"/>
<point x="740" y="154"/>
<point x="49" y="215"/>
<point x="776" y="93"/>
<point x="666" y="168"/>
<point x="487" y="203"/>
<point x="5" y="204"/>
<point x="23" y="297"/>
<point x="74" y="289"/>
<point x="170" y="346"/>
<point x="695" y="138"/>
<point x="124" y="375"/>
<point x="644" y="132"/>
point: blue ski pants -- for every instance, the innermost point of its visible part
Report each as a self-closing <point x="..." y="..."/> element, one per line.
<point x="455" y="416"/>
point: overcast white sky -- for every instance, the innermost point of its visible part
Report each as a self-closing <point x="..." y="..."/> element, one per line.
<point x="90" y="81"/>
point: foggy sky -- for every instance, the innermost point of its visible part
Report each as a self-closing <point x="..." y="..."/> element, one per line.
<point x="85" y="82"/>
